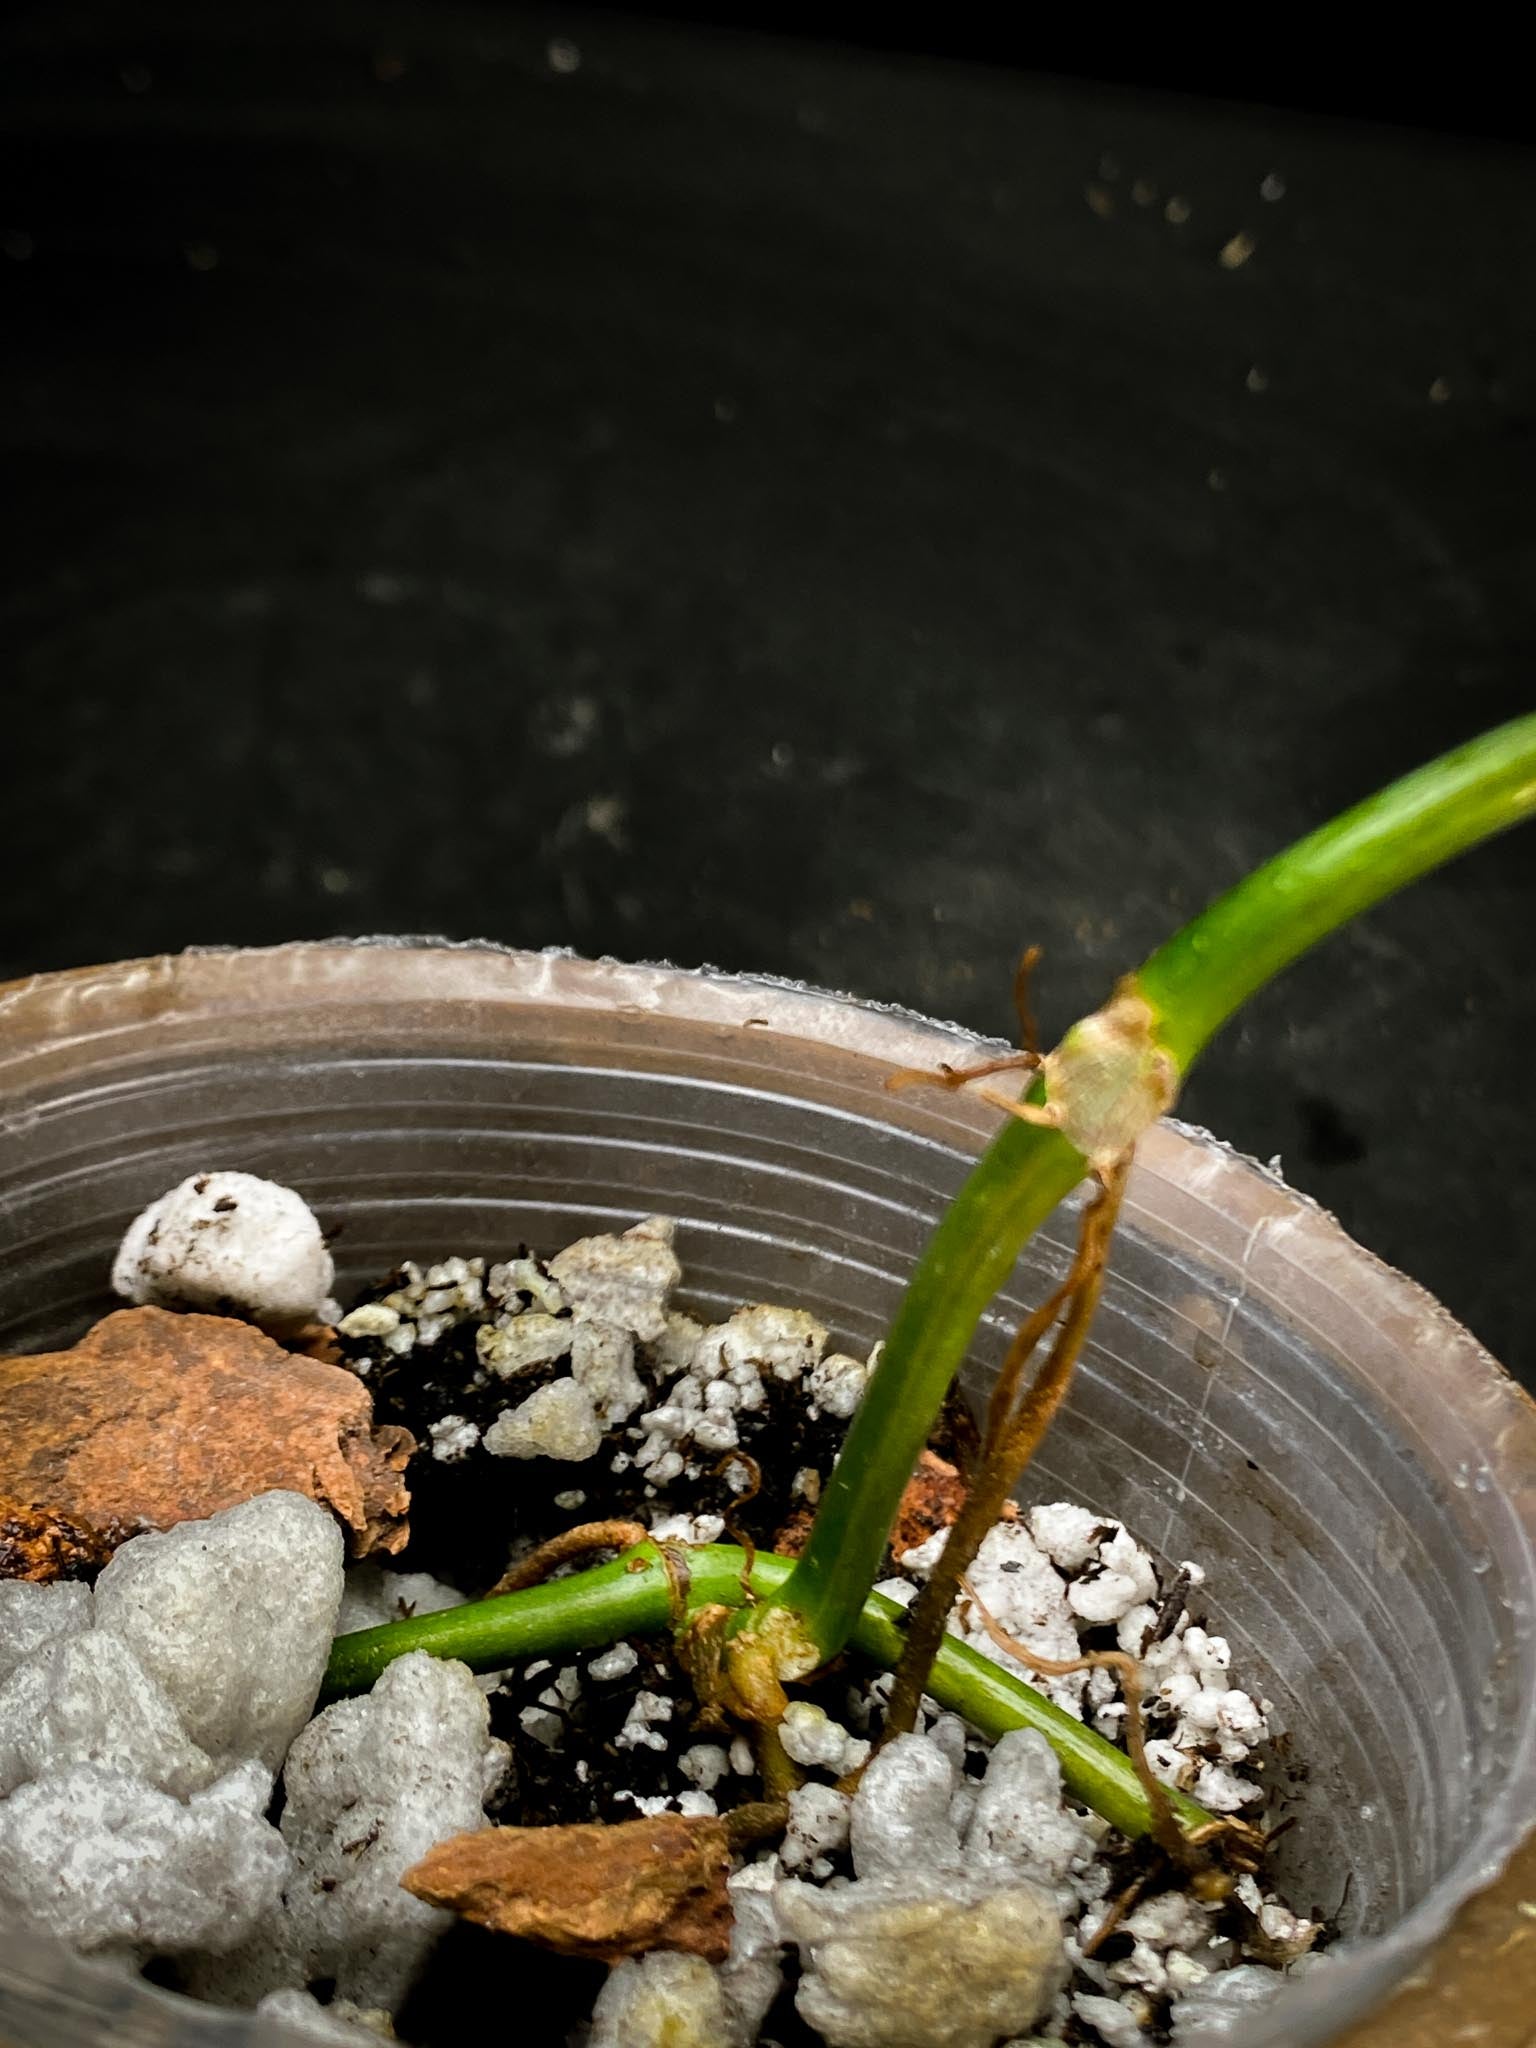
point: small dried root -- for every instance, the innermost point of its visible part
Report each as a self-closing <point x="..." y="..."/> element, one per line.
<point x="1242" y="1845"/>
<point x="534" y="1569"/>
<point x="1026" y="1060"/>
<point x="1165" y="1829"/>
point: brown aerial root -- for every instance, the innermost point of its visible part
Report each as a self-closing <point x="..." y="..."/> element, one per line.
<point x="1026" y="1060"/>
<point x="1015" y="1425"/>
<point x="1117" y="1912"/>
<point x="731" y="1518"/>
<point x="581" y="1541"/>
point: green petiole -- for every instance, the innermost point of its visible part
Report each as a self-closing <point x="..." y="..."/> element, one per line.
<point x="634" y="1596"/>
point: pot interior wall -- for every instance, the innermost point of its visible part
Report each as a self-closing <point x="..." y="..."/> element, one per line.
<point x="1357" y="1573"/>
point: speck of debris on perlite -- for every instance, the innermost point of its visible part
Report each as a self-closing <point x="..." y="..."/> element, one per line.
<point x="228" y="1242"/>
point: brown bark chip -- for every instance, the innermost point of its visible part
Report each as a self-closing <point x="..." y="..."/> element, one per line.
<point x="592" y="1890"/>
<point x="935" y="1495"/>
<point x="35" y="1544"/>
<point x="156" y="1418"/>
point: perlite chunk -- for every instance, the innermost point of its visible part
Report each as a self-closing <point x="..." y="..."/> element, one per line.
<point x="87" y="1700"/>
<point x="558" y="1421"/>
<point x="230" y="1242"/>
<point x="663" y="2000"/>
<point x="33" y="1615"/>
<point x="371" y="1785"/>
<point x="340" y="2024"/>
<point x="925" y="1960"/>
<point x="901" y="1814"/>
<point x="233" y="1617"/>
<point x="103" y="1861"/>
<point x="623" y="1281"/>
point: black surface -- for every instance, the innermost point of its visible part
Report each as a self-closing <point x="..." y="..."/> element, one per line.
<point x="741" y="502"/>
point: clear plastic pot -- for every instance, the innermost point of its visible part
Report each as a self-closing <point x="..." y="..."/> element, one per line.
<point x="1261" y="1394"/>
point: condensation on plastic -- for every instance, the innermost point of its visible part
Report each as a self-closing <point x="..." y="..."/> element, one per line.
<point x="1355" y="1472"/>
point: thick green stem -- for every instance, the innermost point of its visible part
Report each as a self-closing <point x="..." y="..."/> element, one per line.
<point x="1191" y="985"/>
<point x="634" y="1596"/>
<point x="1018" y="1181"/>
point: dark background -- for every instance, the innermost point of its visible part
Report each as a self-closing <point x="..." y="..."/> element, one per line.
<point x="585" y="479"/>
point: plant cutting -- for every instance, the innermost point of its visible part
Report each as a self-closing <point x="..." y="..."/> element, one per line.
<point x="768" y="1650"/>
<point x="1086" y="1104"/>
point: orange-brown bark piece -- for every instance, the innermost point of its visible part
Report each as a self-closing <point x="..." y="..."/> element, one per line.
<point x="156" y="1418"/>
<point x="604" y="1892"/>
<point x="314" y="1340"/>
<point x="931" y="1502"/>
<point x="35" y="1544"/>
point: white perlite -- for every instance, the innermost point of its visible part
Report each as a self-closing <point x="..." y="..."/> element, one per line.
<point x="623" y="1281"/>
<point x="102" y="1861"/>
<point x="373" y="1597"/>
<point x="836" y="1383"/>
<point x="341" y="2023"/>
<point x="558" y="1421"/>
<point x="371" y="1785"/>
<point x="86" y="1699"/>
<point x="924" y="1961"/>
<point x="1018" y="1821"/>
<point x="603" y="1366"/>
<point x="950" y="1936"/>
<point x="676" y="2001"/>
<point x="233" y="1617"/>
<point x="33" y="1615"/>
<point x="817" y="1825"/>
<point x="453" y="1437"/>
<point x="231" y="1242"/>
<point x="663" y="2001"/>
<point x="811" y="1737"/>
<point x="522" y="1342"/>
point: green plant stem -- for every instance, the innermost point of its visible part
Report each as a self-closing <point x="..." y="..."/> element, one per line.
<point x="1193" y="984"/>
<point x="1205" y="972"/>
<point x="634" y="1596"/>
